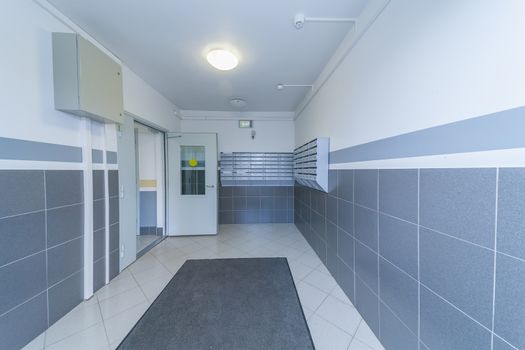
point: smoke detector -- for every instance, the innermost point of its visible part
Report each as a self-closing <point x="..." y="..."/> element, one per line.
<point x="238" y="102"/>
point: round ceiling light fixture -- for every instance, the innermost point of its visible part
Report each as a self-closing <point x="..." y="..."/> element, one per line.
<point x="238" y="102"/>
<point x="222" y="59"/>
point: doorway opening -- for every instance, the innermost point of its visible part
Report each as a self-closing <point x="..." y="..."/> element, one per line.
<point x="150" y="175"/>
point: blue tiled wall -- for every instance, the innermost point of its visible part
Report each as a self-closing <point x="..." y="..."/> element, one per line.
<point x="432" y="258"/>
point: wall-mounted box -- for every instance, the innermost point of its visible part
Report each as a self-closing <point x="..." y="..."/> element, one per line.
<point x="87" y="82"/>
<point x="311" y="164"/>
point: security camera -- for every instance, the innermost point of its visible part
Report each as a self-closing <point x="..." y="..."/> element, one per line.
<point x="299" y="20"/>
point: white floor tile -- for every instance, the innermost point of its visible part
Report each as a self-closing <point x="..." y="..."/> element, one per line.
<point x="338" y="293"/>
<point x="327" y="336"/>
<point x="356" y="344"/>
<point x="116" y="287"/>
<point x="93" y="338"/>
<point x="37" y="343"/>
<point x="310" y="260"/>
<point x="153" y="288"/>
<point x="121" y="302"/>
<point x="320" y="280"/>
<point x="78" y="319"/>
<point x="299" y="271"/>
<point x="159" y="271"/>
<point x="365" y="335"/>
<point x="340" y="314"/>
<point x="118" y="326"/>
<point x="310" y="296"/>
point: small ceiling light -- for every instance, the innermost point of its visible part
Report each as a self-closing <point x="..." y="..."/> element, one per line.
<point x="222" y="59"/>
<point x="238" y="102"/>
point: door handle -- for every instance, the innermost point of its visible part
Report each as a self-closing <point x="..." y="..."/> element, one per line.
<point x="210" y="186"/>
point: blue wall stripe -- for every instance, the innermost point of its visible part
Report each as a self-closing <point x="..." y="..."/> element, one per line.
<point x="497" y="131"/>
<point x="15" y="149"/>
<point x="97" y="156"/>
<point x="111" y="157"/>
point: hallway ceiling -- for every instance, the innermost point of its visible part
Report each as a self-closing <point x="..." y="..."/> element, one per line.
<point x="166" y="41"/>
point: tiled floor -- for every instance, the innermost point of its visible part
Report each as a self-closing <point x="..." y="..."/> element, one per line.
<point x="145" y="240"/>
<point x="102" y="322"/>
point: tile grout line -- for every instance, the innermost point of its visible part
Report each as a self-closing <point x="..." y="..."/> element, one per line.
<point x="378" y="259"/>
<point x="103" y="321"/>
<point x="495" y="259"/>
<point x="418" y="266"/>
<point x="47" y="263"/>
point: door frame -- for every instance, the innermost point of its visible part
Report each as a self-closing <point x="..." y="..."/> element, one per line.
<point x="169" y="135"/>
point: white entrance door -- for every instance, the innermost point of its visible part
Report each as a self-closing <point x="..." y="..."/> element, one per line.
<point x="192" y="184"/>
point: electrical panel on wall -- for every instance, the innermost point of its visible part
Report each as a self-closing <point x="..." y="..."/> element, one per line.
<point x="311" y="164"/>
<point x="257" y="169"/>
<point x="87" y="82"/>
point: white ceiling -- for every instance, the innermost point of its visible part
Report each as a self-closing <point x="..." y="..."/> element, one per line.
<point x="165" y="42"/>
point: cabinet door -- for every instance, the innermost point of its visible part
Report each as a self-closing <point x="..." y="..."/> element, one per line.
<point x="100" y="81"/>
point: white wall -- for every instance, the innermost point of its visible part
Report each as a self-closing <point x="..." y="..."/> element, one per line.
<point x="144" y="102"/>
<point x="26" y="75"/>
<point x="422" y="64"/>
<point x="271" y="136"/>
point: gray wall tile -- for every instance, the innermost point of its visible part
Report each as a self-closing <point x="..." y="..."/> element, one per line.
<point x="445" y="328"/>
<point x="23" y="324"/>
<point x="280" y="203"/>
<point x="267" y="203"/>
<point x="113" y="184"/>
<point x="64" y="187"/>
<point x="99" y="244"/>
<point x="460" y="272"/>
<point x="365" y="188"/>
<point x="511" y="212"/>
<point x="239" y="191"/>
<point x="345" y="185"/>
<point x="114" y="210"/>
<point x="281" y="216"/>
<point x="266" y="216"/>
<point x="394" y="334"/>
<point x="400" y="293"/>
<point x="345" y="248"/>
<point x="367" y="304"/>
<point x="366" y="266"/>
<point x="331" y="247"/>
<point x="398" y="243"/>
<point x="114" y="263"/>
<point x="99" y="214"/>
<point x="64" y="296"/>
<point x="253" y="191"/>
<point x="22" y="191"/>
<point x="331" y="209"/>
<point x="148" y="209"/>
<point x="500" y="344"/>
<point x="459" y="202"/>
<point x="225" y="203"/>
<point x="239" y="203"/>
<point x="318" y="202"/>
<point x="254" y="203"/>
<point x="345" y="216"/>
<point x="398" y="193"/>
<point x="21" y="236"/>
<point x="345" y="278"/>
<point x="22" y="280"/>
<point x="114" y="237"/>
<point x="366" y="229"/>
<point x="64" y="224"/>
<point x="509" y="315"/>
<point x="99" y="188"/>
<point x="225" y="191"/>
<point x="99" y="274"/>
<point x="64" y="260"/>
<point x="226" y="217"/>
<point x="332" y="182"/>
<point x="318" y="224"/>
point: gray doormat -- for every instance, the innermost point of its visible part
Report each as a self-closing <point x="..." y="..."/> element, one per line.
<point x="225" y="304"/>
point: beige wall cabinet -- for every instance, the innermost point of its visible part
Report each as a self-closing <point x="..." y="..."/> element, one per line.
<point x="87" y="82"/>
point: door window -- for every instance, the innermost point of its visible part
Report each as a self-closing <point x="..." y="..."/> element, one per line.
<point x="193" y="173"/>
